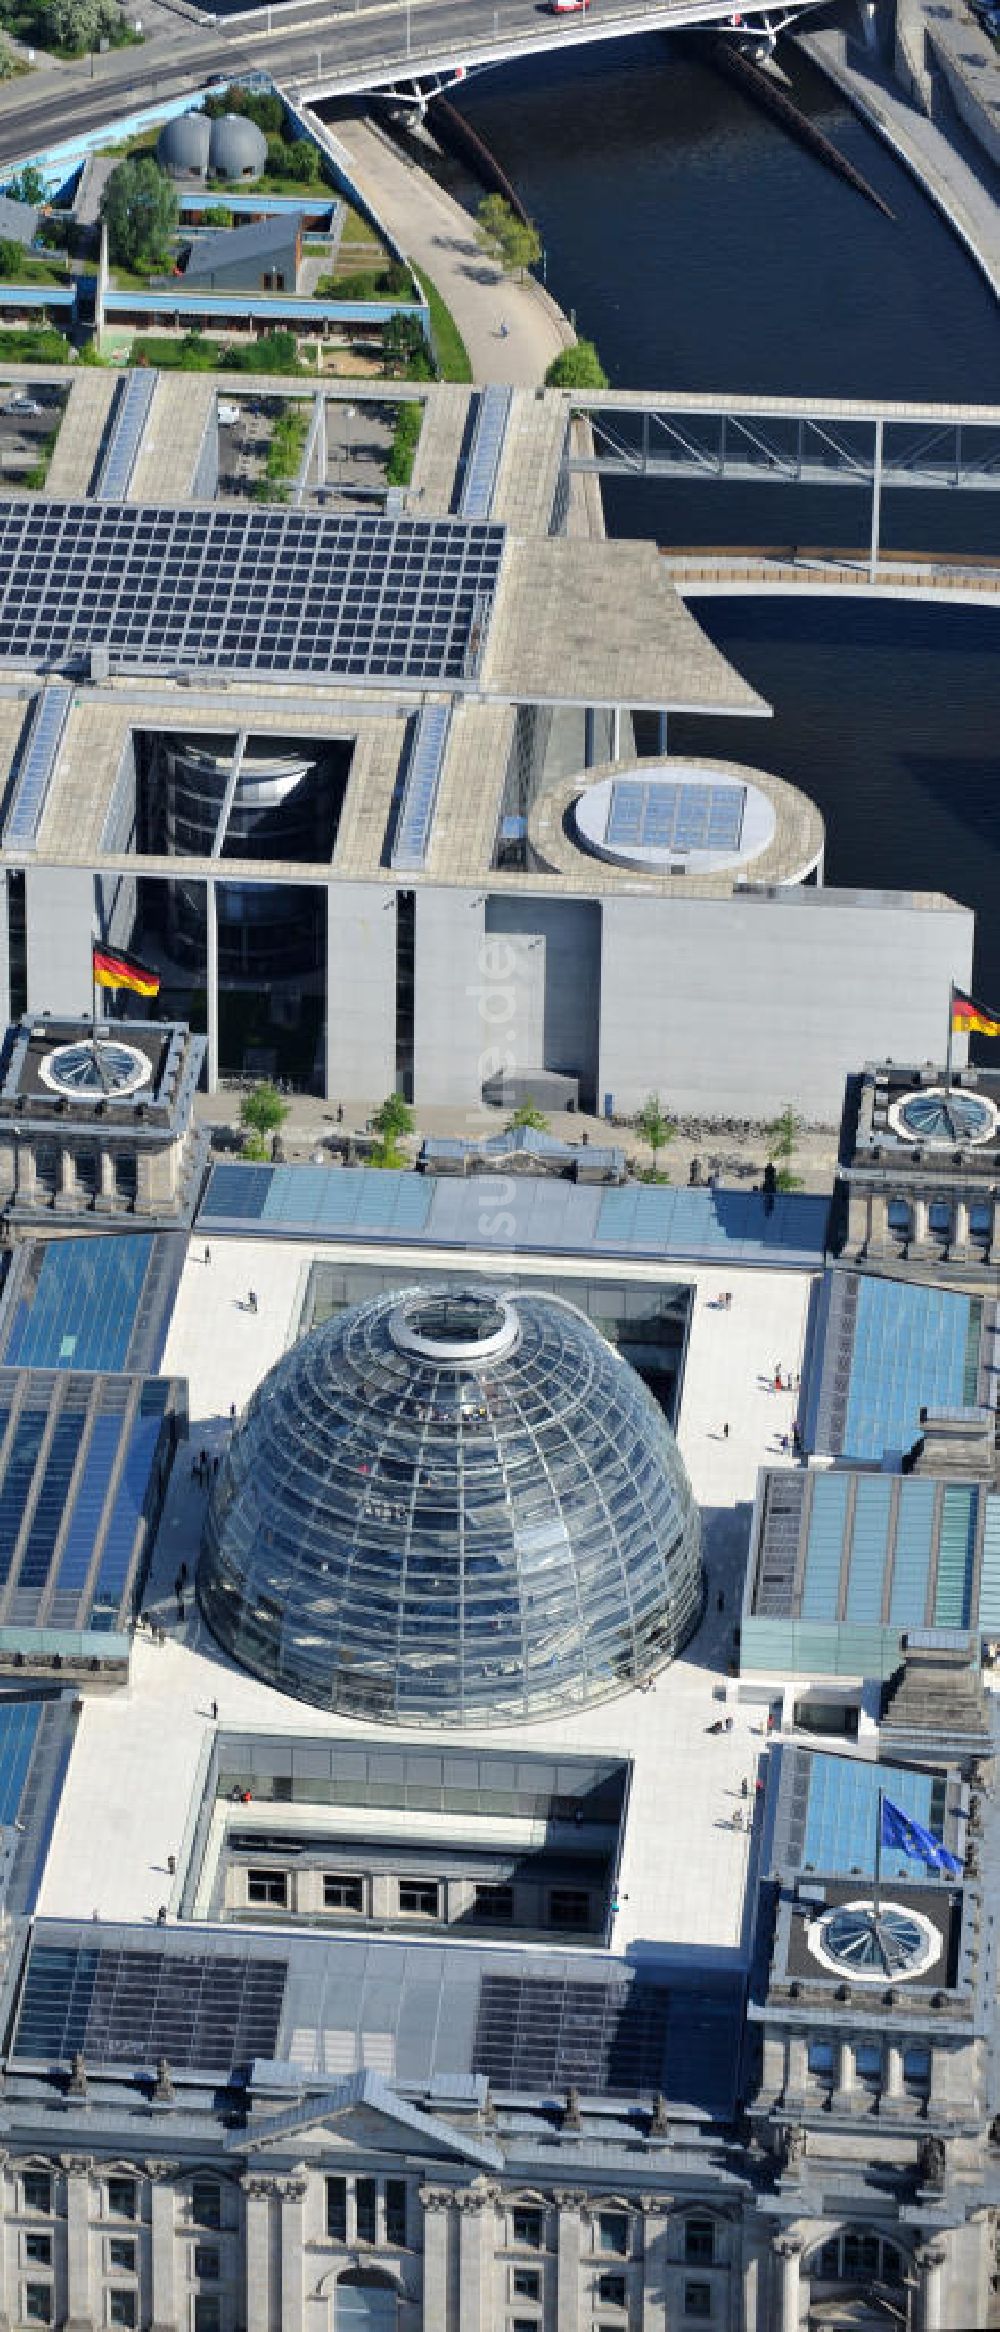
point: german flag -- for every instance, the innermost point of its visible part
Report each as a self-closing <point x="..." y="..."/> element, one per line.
<point x="971" y="1019"/>
<point x="114" y="970"/>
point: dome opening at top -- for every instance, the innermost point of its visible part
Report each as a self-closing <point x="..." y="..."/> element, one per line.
<point x="452" y="1507"/>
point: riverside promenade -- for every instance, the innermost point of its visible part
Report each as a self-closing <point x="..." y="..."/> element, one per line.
<point x="960" y="191"/>
<point x="438" y="236"/>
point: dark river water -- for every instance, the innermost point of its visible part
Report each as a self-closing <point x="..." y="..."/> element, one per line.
<point x="702" y="249"/>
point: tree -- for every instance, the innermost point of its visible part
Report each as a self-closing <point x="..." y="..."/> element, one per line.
<point x="782" y="1141"/>
<point x="654" y="1125"/>
<point x="11" y="259"/>
<point x="403" y="338"/>
<point x="393" y="1117"/>
<point x="27" y="185"/>
<point x="528" y="1115"/>
<point x="8" y="61"/>
<point x="514" y="243"/>
<point x="76" y="24"/>
<point x="262" y="1111"/>
<point x="578" y="367"/>
<point x="139" y="205"/>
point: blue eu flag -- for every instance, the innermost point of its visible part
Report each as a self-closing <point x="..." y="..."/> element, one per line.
<point x="910" y="1837"/>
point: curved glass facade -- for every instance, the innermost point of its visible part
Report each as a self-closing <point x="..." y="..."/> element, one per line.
<point x="452" y="1507"/>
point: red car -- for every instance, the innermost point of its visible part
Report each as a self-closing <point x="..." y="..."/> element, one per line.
<point x="567" y="7"/>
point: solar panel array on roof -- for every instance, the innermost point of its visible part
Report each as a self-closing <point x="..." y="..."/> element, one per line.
<point x="914" y="1347"/>
<point x="842" y="1814"/>
<point x="130" y="2006"/>
<point x="285" y="591"/>
<point x="663" y="816"/>
<point x="76" y="1303"/>
<point x="479" y="485"/>
<point x="725" y="1226"/>
<point x="135" y="396"/>
<point x="420" y="790"/>
<point x="80" y="1491"/>
<point x="18" y="1729"/>
<point x="36" y="765"/>
<point x="542" y="2034"/>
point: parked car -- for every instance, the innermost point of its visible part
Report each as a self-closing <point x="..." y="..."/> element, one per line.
<point x="229" y="415"/>
<point x="567" y="7"/>
<point x="20" y="402"/>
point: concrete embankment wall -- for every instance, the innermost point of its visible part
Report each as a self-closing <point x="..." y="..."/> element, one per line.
<point x="970" y="68"/>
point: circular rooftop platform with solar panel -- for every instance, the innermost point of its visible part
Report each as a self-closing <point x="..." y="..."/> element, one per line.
<point x="717" y="823"/>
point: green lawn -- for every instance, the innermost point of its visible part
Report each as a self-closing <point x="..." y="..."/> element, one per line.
<point x="449" y="346"/>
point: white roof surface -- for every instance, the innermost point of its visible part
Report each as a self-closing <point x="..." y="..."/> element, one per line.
<point x="133" y="1784"/>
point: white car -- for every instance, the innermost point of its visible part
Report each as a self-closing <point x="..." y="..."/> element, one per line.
<point x="20" y="403"/>
<point x="229" y="415"/>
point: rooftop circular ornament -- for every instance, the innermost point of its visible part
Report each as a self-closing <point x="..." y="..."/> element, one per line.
<point x="95" y="1069"/>
<point x="868" y="1948"/>
<point x="946" y="1117"/>
<point x="452" y="1507"/>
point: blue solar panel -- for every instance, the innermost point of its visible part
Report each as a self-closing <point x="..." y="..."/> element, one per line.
<point x="36" y="766"/>
<point x="659" y="815"/>
<point x="127" y="1512"/>
<point x="914" y="1347"/>
<point x="18" y="1727"/>
<point x="484" y="458"/>
<point x="843" y="1811"/>
<point x="912" y="1559"/>
<point x="85" y="1304"/>
<point x="81" y="1537"/>
<point x="28" y="1433"/>
<point x="821" y="1582"/>
<point x="51" y="1502"/>
<point x="956" y="1555"/>
<point x="420" y="791"/>
<point x="135" y="399"/>
<point x="869" y="1543"/>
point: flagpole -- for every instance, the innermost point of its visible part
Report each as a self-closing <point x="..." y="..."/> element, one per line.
<point x="878" y="1861"/>
<point x="951" y="1031"/>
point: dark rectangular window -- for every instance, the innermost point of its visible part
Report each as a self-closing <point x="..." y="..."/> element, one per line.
<point x="526" y="2283"/>
<point x="336" y="2209"/>
<point x="699" y="2242"/>
<point x="207" y="2313"/>
<point x="122" y="2308"/>
<point x="917" y="2070"/>
<point x="861" y="2258"/>
<point x="420" y="1898"/>
<point x="613" y="2232"/>
<point x="38" y="2303"/>
<point x="121" y="2198"/>
<point x="206" y="2202"/>
<point x="569" y="1907"/>
<point x="698" y="2300"/>
<point x="121" y="2255"/>
<point x="526" y="2229"/>
<point x="268" y="1886"/>
<point x="395" y="2213"/>
<point x="207" y="2258"/>
<point x="366" y="2210"/>
<point x="342" y="1894"/>
<point x="36" y="2187"/>
<point x="611" y="2291"/>
<point x="494" y="1905"/>
<point x="38" y="2250"/>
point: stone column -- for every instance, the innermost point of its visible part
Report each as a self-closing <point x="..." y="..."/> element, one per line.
<point x="106" y="1177"/>
<point x="257" y="2194"/>
<point x="920" y="1221"/>
<point x="162" y="2245"/>
<point x="655" y="2227"/>
<point x="436" y="2202"/>
<point x="292" y="2192"/>
<point x="477" y="2205"/>
<point x="787" y="2250"/>
<point x="78" y="2309"/>
<point x="894" y="2069"/>
<point x="931" y="2259"/>
<point x="569" y="2249"/>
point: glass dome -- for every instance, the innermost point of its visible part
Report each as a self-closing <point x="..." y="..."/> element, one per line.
<point x="949" y="1117"/>
<point x="452" y="1507"/>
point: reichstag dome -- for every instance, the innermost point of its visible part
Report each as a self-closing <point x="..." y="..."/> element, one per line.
<point x="454" y="1508"/>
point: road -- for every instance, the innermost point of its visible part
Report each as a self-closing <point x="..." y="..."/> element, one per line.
<point x="316" y="51"/>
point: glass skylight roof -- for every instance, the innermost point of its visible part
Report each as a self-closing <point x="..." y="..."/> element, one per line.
<point x="454" y="1509"/>
<point x="947" y="1117"/>
<point x="662" y="816"/>
<point x="336" y="597"/>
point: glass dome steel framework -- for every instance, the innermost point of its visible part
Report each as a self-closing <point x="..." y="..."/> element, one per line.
<point x="452" y="1508"/>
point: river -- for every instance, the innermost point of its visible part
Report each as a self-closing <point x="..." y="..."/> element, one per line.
<point x="701" y="248"/>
